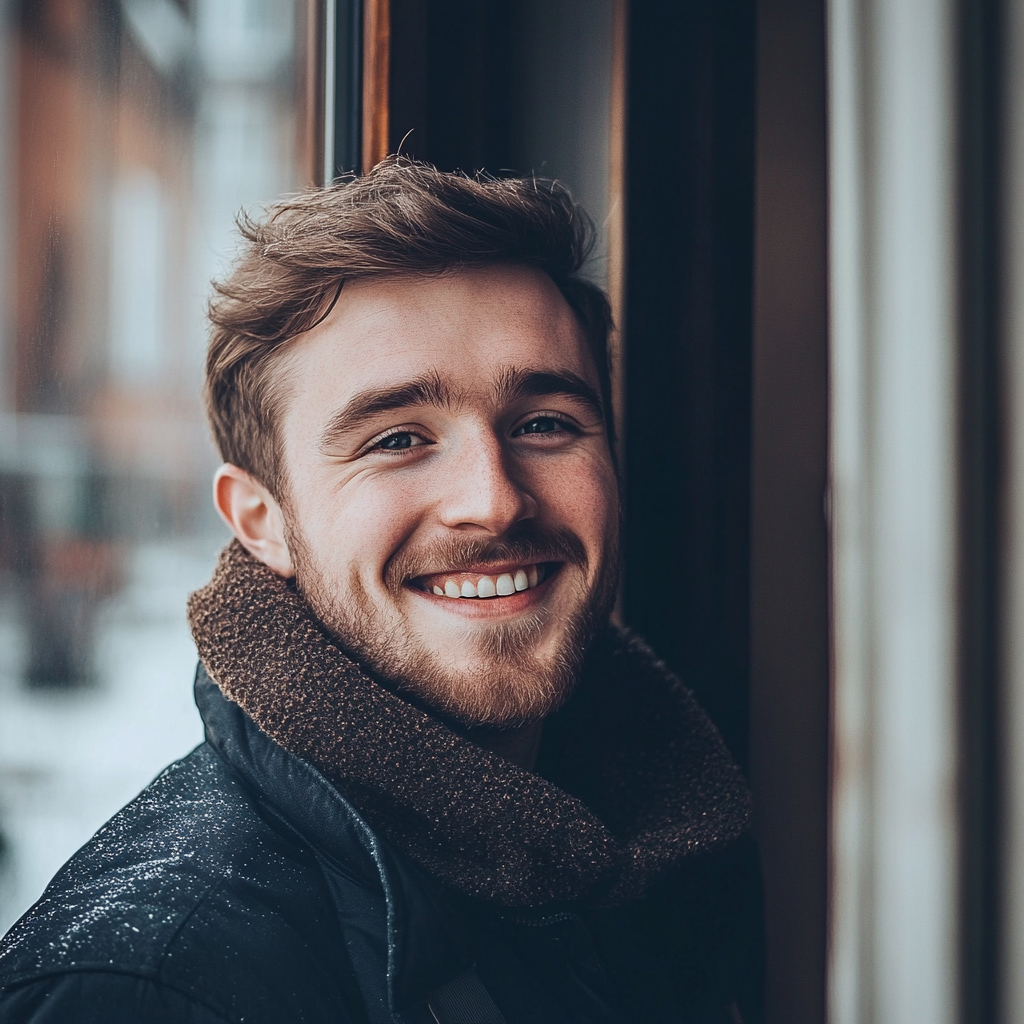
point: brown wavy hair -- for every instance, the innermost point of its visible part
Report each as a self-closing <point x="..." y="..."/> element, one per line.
<point x="403" y="217"/>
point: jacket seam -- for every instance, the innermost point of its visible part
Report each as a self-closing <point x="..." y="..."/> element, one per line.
<point x="213" y="887"/>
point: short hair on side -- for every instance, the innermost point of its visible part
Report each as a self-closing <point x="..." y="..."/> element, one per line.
<point x="402" y="217"/>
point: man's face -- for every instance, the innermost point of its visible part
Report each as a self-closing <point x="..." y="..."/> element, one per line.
<point x="451" y="506"/>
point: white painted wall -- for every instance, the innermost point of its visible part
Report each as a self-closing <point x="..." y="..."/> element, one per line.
<point x="893" y="957"/>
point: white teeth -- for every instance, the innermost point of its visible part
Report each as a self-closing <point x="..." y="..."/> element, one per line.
<point x="506" y="584"/>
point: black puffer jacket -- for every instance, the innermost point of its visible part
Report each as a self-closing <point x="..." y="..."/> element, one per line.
<point x="240" y="886"/>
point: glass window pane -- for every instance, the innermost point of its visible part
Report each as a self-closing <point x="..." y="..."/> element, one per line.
<point x="131" y="133"/>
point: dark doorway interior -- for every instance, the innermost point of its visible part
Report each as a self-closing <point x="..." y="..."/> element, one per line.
<point x="688" y="339"/>
<point x="725" y="428"/>
<point x="523" y="88"/>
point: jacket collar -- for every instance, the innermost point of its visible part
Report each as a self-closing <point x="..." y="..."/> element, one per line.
<point x="424" y="945"/>
<point x="632" y="776"/>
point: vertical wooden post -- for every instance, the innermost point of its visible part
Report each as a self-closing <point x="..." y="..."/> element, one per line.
<point x="376" y="68"/>
<point x="789" y="626"/>
<point x="312" y="90"/>
<point x="617" y="216"/>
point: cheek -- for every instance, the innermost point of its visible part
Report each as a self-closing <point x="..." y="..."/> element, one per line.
<point x="357" y="527"/>
<point x="583" y="494"/>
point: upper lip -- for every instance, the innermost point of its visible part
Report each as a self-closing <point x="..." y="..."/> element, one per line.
<point x="482" y="568"/>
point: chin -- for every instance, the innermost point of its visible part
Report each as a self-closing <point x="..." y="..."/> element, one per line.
<point x="495" y="696"/>
<point x="504" y="674"/>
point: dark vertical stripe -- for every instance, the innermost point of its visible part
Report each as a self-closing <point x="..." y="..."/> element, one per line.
<point x="979" y="457"/>
<point x="348" y="87"/>
<point x="789" y="556"/>
<point x="688" y="297"/>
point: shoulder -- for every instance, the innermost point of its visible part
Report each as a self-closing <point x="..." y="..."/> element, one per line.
<point x="188" y="887"/>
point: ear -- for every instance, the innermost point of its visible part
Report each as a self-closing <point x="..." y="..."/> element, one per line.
<point x="253" y="516"/>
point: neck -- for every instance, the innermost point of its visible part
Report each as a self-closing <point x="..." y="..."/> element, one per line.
<point x="518" y="745"/>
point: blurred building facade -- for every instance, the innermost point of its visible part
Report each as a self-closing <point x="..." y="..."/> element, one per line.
<point x="133" y="131"/>
<point x="137" y="129"/>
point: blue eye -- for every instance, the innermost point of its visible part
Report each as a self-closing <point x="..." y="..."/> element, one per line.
<point x="395" y="442"/>
<point x="540" y="425"/>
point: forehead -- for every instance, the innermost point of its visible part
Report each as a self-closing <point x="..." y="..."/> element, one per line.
<point x="466" y="326"/>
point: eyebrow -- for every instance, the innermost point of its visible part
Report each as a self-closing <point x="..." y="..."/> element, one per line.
<point x="427" y="389"/>
<point x="514" y="383"/>
<point x="431" y="389"/>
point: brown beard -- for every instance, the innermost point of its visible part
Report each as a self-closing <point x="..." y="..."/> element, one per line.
<point x="518" y="686"/>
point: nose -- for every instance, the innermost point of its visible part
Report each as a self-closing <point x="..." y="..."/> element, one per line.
<point x="480" y="492"/>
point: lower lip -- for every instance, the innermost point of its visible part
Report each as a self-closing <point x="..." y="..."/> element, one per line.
<point x="492" y="607"/>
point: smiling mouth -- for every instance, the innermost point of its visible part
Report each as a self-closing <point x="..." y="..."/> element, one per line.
<point x="509" y="581"/>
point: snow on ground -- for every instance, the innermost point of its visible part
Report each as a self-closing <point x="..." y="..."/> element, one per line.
<point x="69" y="760"/>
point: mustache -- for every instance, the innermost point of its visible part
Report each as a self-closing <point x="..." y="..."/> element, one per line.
<point x="525" y="543"/>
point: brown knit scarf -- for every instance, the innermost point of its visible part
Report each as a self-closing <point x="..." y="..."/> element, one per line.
<point x="632" y="775"/>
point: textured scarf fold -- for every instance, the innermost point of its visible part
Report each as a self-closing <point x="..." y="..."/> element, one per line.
<point x="632" y="775"/>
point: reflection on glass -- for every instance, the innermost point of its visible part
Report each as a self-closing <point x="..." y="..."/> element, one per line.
<point x="131" y="133"/>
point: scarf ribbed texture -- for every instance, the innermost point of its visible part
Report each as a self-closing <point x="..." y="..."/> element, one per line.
<point x="632" y="775"/>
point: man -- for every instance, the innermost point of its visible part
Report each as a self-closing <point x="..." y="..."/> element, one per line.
<point x="437" y="785"/>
